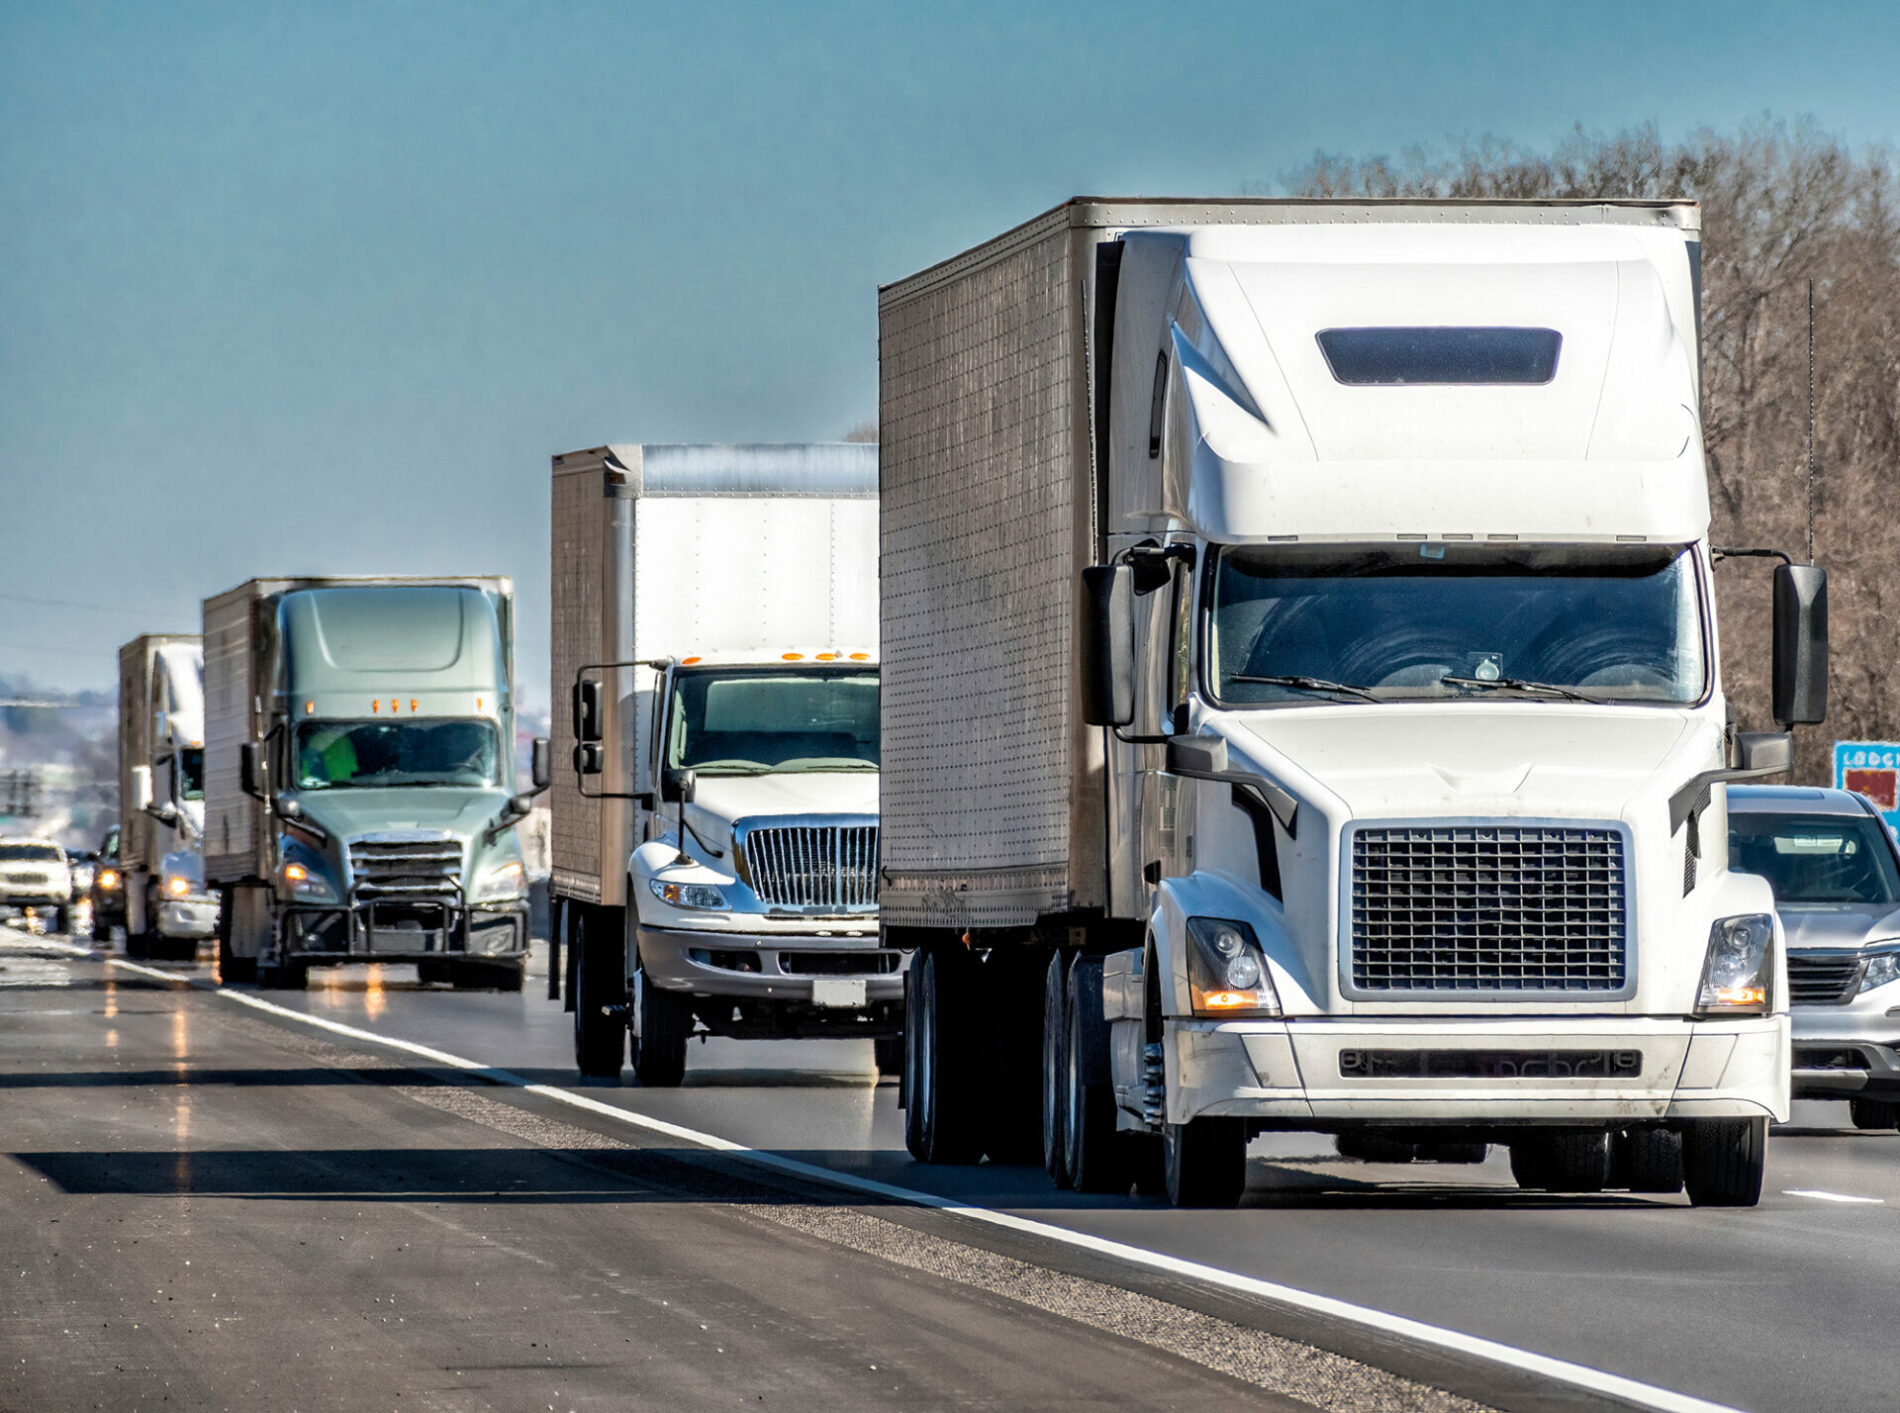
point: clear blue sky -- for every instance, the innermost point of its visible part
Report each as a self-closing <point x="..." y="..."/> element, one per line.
<point x="319" y="287"/>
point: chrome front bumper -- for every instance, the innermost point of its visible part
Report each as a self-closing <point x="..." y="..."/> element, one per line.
<point x="823" y="971"/>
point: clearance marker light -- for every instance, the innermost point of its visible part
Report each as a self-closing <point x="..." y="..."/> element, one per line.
<point x="412" y="704"/>
<point x="375" y="707"/>
<point x="826" y="657"/>
<point x="860" y="657"/>
<point x="478" y="703"/>
<point x="792" y="657"/>
<point x="309" y="708"/>
<point x="394" y="705"/>
<point x="688" y="661"/>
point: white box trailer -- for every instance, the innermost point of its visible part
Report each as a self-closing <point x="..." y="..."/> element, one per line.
<point x="1300" y="699"/>
<point x="161" y="795"/>
<point x="714" y="608"/>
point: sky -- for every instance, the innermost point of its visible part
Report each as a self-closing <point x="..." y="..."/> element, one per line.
<point x="319" y="288"/>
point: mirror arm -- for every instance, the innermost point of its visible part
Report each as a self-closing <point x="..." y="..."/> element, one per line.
<point x="1693" y="794"/>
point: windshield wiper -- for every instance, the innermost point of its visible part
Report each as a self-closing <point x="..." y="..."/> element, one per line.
<point x="1308" y="684"/>
<point x="1519" y="684"/>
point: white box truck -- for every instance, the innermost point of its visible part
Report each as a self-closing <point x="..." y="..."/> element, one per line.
<point x="168" y="909"/>
<point x="715" y="831"/>
<point x="1301" y="703"/>
<point x="360" y="778"/>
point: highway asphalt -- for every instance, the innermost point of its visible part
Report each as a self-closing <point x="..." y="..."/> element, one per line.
<point x="153" y="1124"/>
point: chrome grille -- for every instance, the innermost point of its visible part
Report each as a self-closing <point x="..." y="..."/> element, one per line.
<point x="27" y="878"/>
<point x="1488" y="907"/>
<point x="1825" y="980"/>
<point x="416" y="867"/>
<point x="813" y="866"/>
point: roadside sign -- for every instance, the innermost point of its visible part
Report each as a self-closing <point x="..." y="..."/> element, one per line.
<point x="1871" y="768"/>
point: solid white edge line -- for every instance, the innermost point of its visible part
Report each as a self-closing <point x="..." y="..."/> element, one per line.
<point x="1821" y="1196"/>
<point x="1543" y="1365"/>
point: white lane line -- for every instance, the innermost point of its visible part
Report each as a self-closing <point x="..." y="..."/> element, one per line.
<point x="1820" y="1196"/>
<point x="1543" y="1365"/>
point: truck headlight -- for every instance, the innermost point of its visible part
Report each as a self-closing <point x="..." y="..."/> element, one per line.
<point x="177" y="886"/>
<point x="108" y="880"/>
<point x="1740" y="963"/>
<point x="688" y="895"/>
<point x="1226" y="973"/>
<point x="1882" y="968"/>
<point x="503" y="881"/>
<point x="306" y="883"/>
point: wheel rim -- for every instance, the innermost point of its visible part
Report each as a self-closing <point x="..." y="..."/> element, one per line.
<point x="1072" y="1096"/>
<point x="1053" y="1149"/>
<point x="926" y="1096"/>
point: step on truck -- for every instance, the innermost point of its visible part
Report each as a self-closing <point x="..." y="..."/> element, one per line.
<point x="1301" y="705"/>
<point x="360" y="791"/>
<point x="168" y="909"/>
<point x="715" y="806"/>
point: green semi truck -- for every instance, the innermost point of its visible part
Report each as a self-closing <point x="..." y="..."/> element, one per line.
<point x="360" y="792"/>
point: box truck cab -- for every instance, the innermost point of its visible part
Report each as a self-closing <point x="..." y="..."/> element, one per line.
<point x="361" y="778"/>
<point x="168" y="909"/>
<point x="1401" y="724"/>
<point x="715" y="830"/>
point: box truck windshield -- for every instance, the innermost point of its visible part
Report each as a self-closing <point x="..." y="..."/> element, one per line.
<point x="772" y="721"/>
<point x="1424" y="621"/>
<point x="191" y="773"/>
<point x="336" y="754"/>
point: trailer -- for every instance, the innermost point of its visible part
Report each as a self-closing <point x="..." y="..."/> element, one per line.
<point x="161" y="797"/>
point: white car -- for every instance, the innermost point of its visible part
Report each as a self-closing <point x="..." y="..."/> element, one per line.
<point x="34" y="874"/>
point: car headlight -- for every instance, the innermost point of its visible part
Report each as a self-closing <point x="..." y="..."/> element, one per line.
<point x="506" y="880"/>
<point x="1740" y="963"/>
<point x="108" y="880"/>
<point x="306" y="883"/>
<point x="177" y="886"/>
<point x="1882" y="969"/>
<point x="1226" y="973"/>
<point x="687" y="895"/>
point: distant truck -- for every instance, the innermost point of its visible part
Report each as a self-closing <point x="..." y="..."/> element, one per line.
<point x="360" y="781"/>
<point x="715" y="631"/>
<point x="161" y="797"/>
<point x="1301" y="707"/>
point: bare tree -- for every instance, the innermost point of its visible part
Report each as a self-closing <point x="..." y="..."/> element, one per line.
<point x="865" y="431"/>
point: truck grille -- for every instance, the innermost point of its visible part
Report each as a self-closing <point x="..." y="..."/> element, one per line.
<point x="813" y="866"/>
<point x="1484" y="907"/>
<point x="1823" y="980"/>
<point x="23" y="878"/>
<point x="394" y="867"/>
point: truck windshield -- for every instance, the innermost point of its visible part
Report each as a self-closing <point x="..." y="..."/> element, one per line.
<point x="191" y="773"/>
<point x="1424" y="621"/>
<point x="334" y="754"/>
<point x="763" y="721"/>
<point x="1815" y="858"/>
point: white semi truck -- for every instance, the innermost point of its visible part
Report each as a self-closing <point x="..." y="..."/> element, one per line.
<point x="715" y="825"/>
<point x="1301" y="700"/>
<point x="168" y="909"/>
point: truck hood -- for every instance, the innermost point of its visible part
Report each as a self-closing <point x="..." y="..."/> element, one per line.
<point x="348" y="814"/>
<point x="1518" y="759"/>
<point x="721" y="801"/>
<point x="1837" y="925"/>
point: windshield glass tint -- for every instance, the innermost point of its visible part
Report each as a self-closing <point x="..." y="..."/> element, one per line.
<point x="1401" y="357"/>
<point x="31" y="853"/>
<point x="750" y="722"/>
<point x="1617" y="623"/>
<point x="333" y="754"/>
<point x="1815" y="858"/>
<point x="191" y="773"/>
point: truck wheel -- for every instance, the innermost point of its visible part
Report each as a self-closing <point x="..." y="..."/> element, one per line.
<point x="1724" y="1161"/>
<point x="1871" y="1114"/>
<point x="600" y="1039"/>
<point x="232" y="968"/>
<point x="663" y="1023"/>
<point x="63" y="919"/>
<point x="1647" y="1160"/>
<point x="284" y="976"/>
<point x="887" y="1053"/>
<point x="941" y="1059"/>
<point x="1563" y="1162"/>
<point x="101" y="929"/>
<point x="1206" y="1162"/>
<point x="1056" y="1072"/>
<point x="178" y="949"/>
<point x="1452" y="1152"/>
<point x="1098" y="1161"/>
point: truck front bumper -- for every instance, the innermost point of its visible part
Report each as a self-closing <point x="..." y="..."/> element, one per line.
<point x="1847" y="1052"/>
<point x="1475" y="1071"/>
<point x="188" y="917"/>
<point x="497" y="932"/>
<point x="820" y="971"/>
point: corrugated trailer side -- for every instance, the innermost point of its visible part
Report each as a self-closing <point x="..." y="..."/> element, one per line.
<point x="135" y="747"/>
<point x="986" y="516"/>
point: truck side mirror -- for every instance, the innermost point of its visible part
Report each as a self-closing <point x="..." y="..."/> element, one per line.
<point x="1800" y="660"/>
<point x="587" y="711"/>
<point x="250" y="770"/>
<point x="587" y="759"/>
<point x="1108" y="645"/>
<point x="1764" y="751"/>
<point x="678" y="786"/>
<point x="540" y="766"/>
<point x="141" y="788"/>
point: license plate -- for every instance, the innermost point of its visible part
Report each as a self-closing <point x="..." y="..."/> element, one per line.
<point x="832" y="991"/>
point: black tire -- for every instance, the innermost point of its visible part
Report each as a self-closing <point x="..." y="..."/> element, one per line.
<point x="1098" y="1157"/>
<point x="663" y="1023"/>
<point x="233" y="969"/>
<point x="1724" y="1161"/>
<point x="178" y="949"/>
<point x="484" y="976"/>
<point x="434" y="973"/>
<point x="1206" y="1162"/>
<point x="1372" y="1147"/>
<point x="942" y="1061"/>
<point x="1055" y="1072"/>
<point x="101" y="929"/>
<point x="600" y="1039"/>
<point x="284" y="976"/>
<point x="63" y="920"/>
<point x="1647" y="1160"/>
<point x="138" y="945"/>
<point x="1457" y="1153"/>
<point x="1530" y="1165"/>
<point x="1872" y="1115"/>
<point x="887" y="1053"/>
<point x="1565" y="1161"/>
<point x="1009" y="1040"/>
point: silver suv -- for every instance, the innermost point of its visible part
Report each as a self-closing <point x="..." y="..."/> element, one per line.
<point x="1835" y="869"/>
